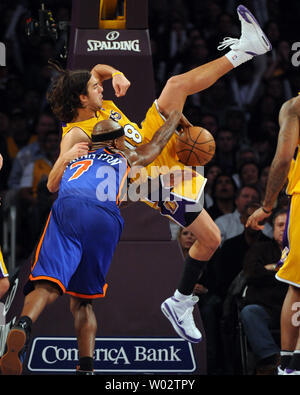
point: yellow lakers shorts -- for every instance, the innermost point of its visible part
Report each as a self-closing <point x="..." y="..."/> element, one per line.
<point x="3" y="270"/>
<point x="185" y="197"/>
<point x="289" y="271"/>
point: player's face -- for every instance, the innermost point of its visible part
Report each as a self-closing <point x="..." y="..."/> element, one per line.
<point x="120" y="143"/>
<point x="94" y="96"/>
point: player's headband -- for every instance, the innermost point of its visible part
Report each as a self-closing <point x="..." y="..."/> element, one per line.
<point x="108" y="136"/>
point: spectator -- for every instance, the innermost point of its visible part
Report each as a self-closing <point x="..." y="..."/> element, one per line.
<point x="228" y="266"/>
<point x="262" y="183"/>
<point x="279" y="64"/>
<point x="230" y="224"/>
<point x="32" y="185"/>
<point x="249" y="173"/>
<point x="264" y="298"/>
<point x="216" y="99"/>
<point x="265" y="149"/>
<point x="235" y="120"/>
<point x="19" y="133"/>
<point x="210" y="122"/>
<point x="186" y="240"/>
<point x="244" y="154"/>
<point x="229" y="259"/>
<point x="45" y="123"/>
<point x="226" y="146"/>
<point x="223" y="193"/>
<point x="246" y="86"/>
<point x="226" y="27"/>
<point x="211" y="171"/>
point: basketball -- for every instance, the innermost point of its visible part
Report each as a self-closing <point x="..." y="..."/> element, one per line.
<point x="195" y="146"/>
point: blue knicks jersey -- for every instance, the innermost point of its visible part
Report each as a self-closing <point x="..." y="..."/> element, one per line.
<point x="100" y="176"/>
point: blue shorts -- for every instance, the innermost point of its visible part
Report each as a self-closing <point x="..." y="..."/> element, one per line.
<point x="76" y="247"/>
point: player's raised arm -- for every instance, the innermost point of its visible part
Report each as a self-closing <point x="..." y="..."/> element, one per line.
<point x="119" y="82"/>
<point x="74" y="144"/>
<point x="146" y="153"/>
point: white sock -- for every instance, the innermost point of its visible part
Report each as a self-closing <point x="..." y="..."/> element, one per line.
<point x="236" y="58"/>
<point x="179" y="296"/>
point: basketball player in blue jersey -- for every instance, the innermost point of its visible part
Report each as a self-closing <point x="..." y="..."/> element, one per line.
<point x="74" y="255"/>
<point x="76" y="98"/>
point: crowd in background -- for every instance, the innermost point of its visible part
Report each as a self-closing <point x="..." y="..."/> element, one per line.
<point x="240" y="110"/>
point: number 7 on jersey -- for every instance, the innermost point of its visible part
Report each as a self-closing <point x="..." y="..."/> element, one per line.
<point x="83" y="166"/>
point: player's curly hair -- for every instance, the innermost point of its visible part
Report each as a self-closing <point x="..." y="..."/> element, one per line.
<point x="64" y="91"/>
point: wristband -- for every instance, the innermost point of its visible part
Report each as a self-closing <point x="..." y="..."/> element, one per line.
<point x="265" y="211"/>
<point x="116" y="73"/>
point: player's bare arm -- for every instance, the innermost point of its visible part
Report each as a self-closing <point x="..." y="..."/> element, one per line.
<point x="74" y="144"/>
<point x="146" y="153"/>
<point x="287" y="142"/>
<point x="104" y="72"/>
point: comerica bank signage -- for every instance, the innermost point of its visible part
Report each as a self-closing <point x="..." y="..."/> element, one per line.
<point x="60" y="354"/>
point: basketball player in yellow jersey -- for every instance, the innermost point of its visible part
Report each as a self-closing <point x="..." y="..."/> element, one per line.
<point x="76" y="99"/>
<point x="286" y="167"/>
<point x="4" y="281"/>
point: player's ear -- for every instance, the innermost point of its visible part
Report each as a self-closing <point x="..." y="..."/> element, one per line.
<point x="118" y="143"/>
<point x="83" y="100"/>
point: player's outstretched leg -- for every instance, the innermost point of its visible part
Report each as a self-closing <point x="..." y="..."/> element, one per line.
<point x="252" y="42"/>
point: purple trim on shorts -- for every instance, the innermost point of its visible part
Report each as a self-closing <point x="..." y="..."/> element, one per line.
<point x="285" y="239"/>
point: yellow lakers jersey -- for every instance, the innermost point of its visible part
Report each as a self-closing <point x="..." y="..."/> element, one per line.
<point x="294" y="175"/>
<point x="167" y="161"/>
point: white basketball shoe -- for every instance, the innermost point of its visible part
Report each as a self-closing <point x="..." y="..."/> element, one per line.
<point x="180" y="314"/>
<point x="253" y="40"/>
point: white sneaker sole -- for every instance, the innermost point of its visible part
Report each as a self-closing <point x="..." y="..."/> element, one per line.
<point x="168" y="312"/>
<point x="248" y="17"/>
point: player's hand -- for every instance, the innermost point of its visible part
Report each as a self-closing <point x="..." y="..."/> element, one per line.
<point x="255" y="220"/>
<point x="79" y="149"/>
<point x="120" y="84"/>
<point x="1" y="161"/>
<point x="184" y="122"/>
